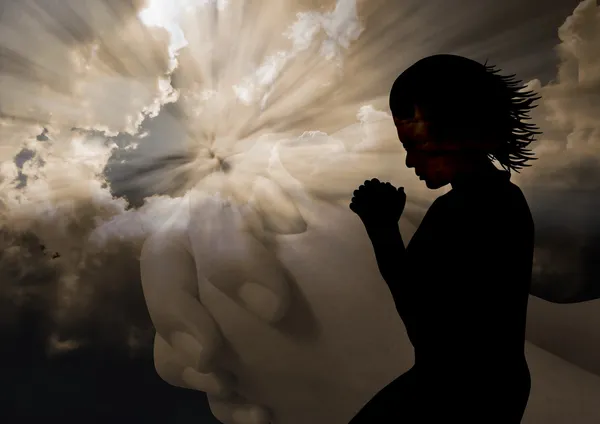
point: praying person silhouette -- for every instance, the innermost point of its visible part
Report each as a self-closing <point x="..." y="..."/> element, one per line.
<point x="461" y="286"/>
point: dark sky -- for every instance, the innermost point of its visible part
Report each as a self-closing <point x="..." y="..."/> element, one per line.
<point x="108" y="380"/>
<point x="104" y="381"/>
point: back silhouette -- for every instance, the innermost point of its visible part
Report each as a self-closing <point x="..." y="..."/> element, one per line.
<point x="461" y="286"/>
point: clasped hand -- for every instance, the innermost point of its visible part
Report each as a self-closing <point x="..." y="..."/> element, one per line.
<point x="377" y="203"/>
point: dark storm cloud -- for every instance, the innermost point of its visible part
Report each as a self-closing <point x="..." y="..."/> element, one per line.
<point x="563" y="186"/>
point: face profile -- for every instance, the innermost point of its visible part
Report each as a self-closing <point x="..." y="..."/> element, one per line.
<point x="437" y="160"/>
<point x="426" y="155"/>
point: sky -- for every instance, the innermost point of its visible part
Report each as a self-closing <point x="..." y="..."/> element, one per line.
<point x="111" y="110"/>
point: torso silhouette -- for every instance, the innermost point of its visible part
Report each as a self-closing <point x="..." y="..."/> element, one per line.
<point x="464" y="303"/>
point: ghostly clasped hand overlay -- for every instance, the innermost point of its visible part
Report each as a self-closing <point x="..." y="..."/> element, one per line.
<point x="273" y="328"/>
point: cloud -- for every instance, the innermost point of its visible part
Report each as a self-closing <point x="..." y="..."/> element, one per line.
<point x="56" y="211"/>
<point x="563" y="186"/>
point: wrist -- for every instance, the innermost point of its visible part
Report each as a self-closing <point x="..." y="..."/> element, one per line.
<point x="381" y="227"/>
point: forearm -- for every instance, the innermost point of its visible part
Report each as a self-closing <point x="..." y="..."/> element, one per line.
<point x="389" y="250"/>
<point x="390" y="254"/>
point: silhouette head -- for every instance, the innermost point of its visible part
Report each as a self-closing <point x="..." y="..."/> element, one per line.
<point x="455" y="116"/>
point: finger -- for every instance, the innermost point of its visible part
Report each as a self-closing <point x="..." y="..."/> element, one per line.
<point x="169" y="282"/>
<point x="167" y="364"/>
<point x="388" y="188"/>
<point x="217" y="383"/>
<point x="236" y="262"/>
<point x="170" y="368"/>
<point x="237" y="411"/>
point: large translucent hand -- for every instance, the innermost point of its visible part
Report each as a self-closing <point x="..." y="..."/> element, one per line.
<point x="282" y="330"/>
